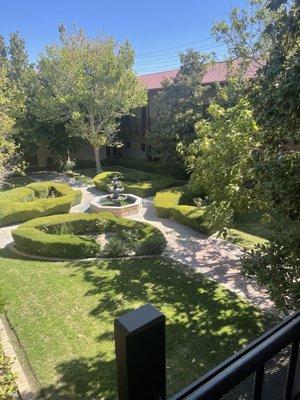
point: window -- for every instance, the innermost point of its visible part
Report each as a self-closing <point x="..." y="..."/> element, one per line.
<point x="143" y="147"/>
<point x="127" y="144"/>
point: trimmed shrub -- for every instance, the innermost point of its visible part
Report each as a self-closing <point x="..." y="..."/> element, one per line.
<point x="32" y="201"/>
<point x="139" y="183"/>
<point x="8" y="385"/>
<point x="63" y="236"/>
<point x="168" y="204"/>
<point x="151" y="166"/>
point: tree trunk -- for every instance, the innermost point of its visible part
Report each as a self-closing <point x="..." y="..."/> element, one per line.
<point x="97" y="159"/>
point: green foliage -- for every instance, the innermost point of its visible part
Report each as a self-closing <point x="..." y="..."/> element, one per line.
<point x="139" y="183"/>
<point x="32" y="201"/>
<point x="93" y="83"/>
<point x="245" y="34"/>
<point x="246" y="231"/>
<point x="154" y="167"/>
<point x="8" y="385"/>
<point x="179" y="105"/>
<point x="221" y="158"/>
<point x="65" y="236"/>
<point x="276" y="265"/>
<point x="276" y="103"/>
<point x="247" y="155"/>
<point x="168" y="204"/>
<point x="8" y="148"/>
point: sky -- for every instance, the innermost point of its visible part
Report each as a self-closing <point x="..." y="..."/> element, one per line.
<point x="157" y="29"/>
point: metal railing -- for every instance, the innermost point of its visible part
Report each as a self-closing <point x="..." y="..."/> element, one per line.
<point x="268" y="368"/>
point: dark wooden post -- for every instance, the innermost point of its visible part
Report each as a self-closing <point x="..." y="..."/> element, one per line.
<point x="140" y="354"/>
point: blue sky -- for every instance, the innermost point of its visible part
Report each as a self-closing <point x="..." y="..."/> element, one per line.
<point x="157" y="29"/>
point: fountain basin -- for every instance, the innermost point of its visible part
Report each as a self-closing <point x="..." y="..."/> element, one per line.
<point x="131" y="205"/>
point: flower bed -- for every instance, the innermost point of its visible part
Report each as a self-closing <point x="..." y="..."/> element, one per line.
<point x="35" y="200"/>
<point x="139" y="183"/>
<point x="69" y="236"/>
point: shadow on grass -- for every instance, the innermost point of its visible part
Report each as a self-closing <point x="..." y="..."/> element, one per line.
<point x="83" y="378"/>
<point x="205" y="323"/>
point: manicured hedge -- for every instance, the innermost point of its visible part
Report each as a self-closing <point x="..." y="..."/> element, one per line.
<point x="140" y="183"/>
<point x="32" y="201"/>
<point x="155" y="167"/>
<point x="168" y="205"/>
<point x="62" y="236"/>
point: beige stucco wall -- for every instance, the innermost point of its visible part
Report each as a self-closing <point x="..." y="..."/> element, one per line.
<point x="85" y="152"/>
<point x="135" y="151"/>
<point x="43" y="154"/>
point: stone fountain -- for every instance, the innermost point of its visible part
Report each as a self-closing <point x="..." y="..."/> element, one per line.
<point x="116" y="202"/>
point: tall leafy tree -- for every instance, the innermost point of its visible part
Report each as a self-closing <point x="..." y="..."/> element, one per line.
<point x="179" y="105"/>
<point x="250" y="146"/>
<point x="91" y="82"/>
<point x="8" y="148"/>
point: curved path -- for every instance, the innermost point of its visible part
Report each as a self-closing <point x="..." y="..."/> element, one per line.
<point x="215" y="258"/>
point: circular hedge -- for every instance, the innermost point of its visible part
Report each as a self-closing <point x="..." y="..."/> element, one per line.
<point x="36" y="200"/>
<point x="71" y="236"/>
<point x="139" y="183"/>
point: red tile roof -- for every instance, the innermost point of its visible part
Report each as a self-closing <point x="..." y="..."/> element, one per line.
<point x="215" y="73"/>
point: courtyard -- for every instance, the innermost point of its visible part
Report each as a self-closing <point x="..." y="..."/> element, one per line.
<point x="149" y="200"/>
<point x="60" y="313"/>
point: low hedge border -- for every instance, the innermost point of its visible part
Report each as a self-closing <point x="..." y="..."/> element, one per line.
<point x="140" y="183"/>
<point x="32" y="201"/>
<point x="61" y="236"/>
<point x="167" y="205"/>
<point x="150" y="166"/>
<point x="170" y="204"/>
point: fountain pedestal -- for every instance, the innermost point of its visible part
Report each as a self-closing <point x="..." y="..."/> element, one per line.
<point x="120" y="211"/>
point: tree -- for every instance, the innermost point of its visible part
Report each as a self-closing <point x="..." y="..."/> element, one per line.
<point x="221" y="158"/>
<point x="245" y="33"/>
<point x="91" y="82"/>
<point x="20" y="75"/>
<point x="179" y="105"/>
<point x="250" y="147"/>
<point x="8" y="148"/>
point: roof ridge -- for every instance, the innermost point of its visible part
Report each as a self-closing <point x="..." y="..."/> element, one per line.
<point x="160" y="72"/>
<point x="177" y="69"/>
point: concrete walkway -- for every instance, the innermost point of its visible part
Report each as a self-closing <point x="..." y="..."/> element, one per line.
<point x="215" y="258"/>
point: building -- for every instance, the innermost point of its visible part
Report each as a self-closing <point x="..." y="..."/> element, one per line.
<point x="133" y="128"/>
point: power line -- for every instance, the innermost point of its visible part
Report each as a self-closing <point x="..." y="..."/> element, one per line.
<point x="208" y="45"/>
<point x="176" y="47"/>
<point x="172" y="57"/>
<point x="168" y="67"/>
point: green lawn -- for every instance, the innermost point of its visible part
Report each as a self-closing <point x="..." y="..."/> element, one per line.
<point x="248" y="230"/>
<point x="63" y="316"/>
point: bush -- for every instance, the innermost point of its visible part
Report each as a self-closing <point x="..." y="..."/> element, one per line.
<point x="276" y="265"/>
<point x="168" y="204"/>
<point x="8" y="386"/>
<point x="32" y="201"/>
<point x="58" y="236"/>
<point x="154" y="167"/>
<point x="139" y="183"/>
